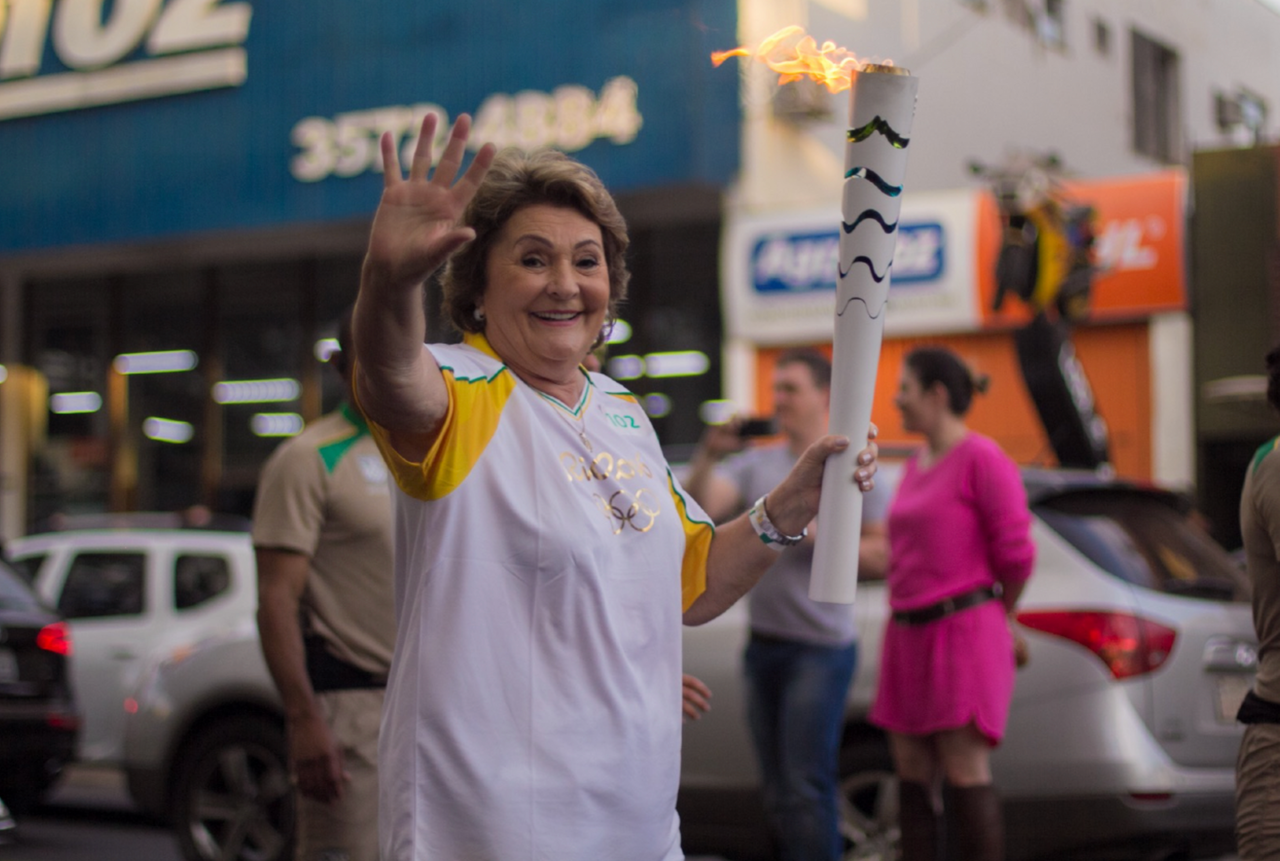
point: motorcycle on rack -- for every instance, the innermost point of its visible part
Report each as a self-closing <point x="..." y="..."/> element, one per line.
<point x="1046" y="261"/>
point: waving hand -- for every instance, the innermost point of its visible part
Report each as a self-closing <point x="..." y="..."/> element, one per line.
<point x="416" y="227"/>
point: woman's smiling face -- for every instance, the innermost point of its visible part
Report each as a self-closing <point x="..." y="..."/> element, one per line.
<point x="547" y="290"/>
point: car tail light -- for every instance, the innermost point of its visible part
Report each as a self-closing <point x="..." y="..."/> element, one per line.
<point x="1129" y="645"/>
<point x="1151" y="797"/>
<point x="55" y="638"/>
<point x="63" y="720"/>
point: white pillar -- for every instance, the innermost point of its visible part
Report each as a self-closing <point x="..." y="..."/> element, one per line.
<point x="1173" y="449"/>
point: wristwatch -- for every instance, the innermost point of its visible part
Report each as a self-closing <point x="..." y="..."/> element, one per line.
<point x="769" y="533"/>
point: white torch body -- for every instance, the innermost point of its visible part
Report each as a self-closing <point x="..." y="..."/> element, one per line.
<point x="882" y="107"/>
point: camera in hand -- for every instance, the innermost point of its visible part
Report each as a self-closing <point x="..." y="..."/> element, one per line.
<point x="757" y="427"/>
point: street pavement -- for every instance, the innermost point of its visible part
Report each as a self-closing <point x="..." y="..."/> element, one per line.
<point x="90" y="815"/>
<point x="93" y="788"/>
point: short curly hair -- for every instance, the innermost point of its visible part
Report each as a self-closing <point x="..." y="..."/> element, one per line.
<point x="514" y="181"/>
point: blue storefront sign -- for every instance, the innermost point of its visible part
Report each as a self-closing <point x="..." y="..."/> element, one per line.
<point x="781" y="269"/>
<point x="808" y="261"/>
<point x="143" y="119"/>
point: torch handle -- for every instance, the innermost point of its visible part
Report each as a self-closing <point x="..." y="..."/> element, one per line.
<point x="834" y="575"/>
<point x="881" y="110"/>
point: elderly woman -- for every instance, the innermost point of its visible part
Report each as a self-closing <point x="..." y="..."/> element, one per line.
<point x="544" y="551"/>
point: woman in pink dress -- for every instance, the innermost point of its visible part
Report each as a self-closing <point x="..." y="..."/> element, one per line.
<point x="960" y="553"/>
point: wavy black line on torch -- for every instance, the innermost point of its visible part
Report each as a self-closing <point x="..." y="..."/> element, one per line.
<point x="852" y="299"/>
<point x="882" y="126"/>
<point x="844" y="273"/>
<point x="875" y="276"/>
<point x="869" y="214"/>
<point x="875" y="179"/>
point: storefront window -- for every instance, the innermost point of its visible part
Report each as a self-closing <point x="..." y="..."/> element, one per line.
<point x="214" y="367"/>
<point x="675" y="340"/>
<point x="261" y="368"/>
<point x="67" y="342"/>
<point x="228" y="361"/>
<point x="162" y="348"/>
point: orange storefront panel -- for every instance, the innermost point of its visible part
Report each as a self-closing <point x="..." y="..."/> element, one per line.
<point x="1139" y="249"/>
<point x="1115" y="359"/>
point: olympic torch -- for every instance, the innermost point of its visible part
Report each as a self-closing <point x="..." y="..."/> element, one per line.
<point x="882" y="106"/>
<point x="881" y="109"/>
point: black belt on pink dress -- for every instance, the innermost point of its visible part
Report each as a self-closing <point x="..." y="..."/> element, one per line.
<point x="947" y="606"/>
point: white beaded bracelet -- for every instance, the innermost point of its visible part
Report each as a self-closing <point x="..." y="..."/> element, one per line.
<point x="769" y="533"/>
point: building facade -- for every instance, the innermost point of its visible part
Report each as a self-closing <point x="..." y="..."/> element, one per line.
<point x="188" y="187"/>
<point x="1120" y="93"/>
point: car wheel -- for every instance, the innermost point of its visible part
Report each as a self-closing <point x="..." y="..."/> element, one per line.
<point x="868" y="801"/>
<point x="233" y="800"/>
<point x="24" y="789"/>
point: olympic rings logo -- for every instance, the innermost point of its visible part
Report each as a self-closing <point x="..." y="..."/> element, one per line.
<point x="630" y="510"/>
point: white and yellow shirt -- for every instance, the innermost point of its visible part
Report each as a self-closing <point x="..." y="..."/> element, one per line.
<point x="544" y="555"/>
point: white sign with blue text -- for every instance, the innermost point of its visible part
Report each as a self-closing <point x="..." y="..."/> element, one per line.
<point x="781" y="271"/>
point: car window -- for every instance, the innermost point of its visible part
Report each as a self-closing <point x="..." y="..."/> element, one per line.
<point x="1143" y="540"/>
<point x="29" y="566"/>
<point x="15" y="594"/>
<point x="104" y="584"/>
<point x="196" y="579"/>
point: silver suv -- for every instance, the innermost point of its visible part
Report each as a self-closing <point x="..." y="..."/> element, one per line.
<point x="1122" y="732"/>
<point x="169" y="675"/>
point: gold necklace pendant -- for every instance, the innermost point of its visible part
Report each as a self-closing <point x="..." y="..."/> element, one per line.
<point x="580" y="428"/>
<point x="578" y="424"/>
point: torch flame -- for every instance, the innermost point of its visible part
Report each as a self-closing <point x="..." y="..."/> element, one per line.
<point x="794" y="55"/>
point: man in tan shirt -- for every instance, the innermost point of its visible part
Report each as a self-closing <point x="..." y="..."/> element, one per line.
<point x="1258" y="763"/>
<point x="322" y="532"/>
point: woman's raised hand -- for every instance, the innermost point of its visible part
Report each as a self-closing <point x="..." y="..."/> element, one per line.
<point x="416" y="226"/>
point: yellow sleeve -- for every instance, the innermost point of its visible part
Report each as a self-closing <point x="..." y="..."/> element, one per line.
<point x="697" y="545"/>
<point x="475" y="407"/>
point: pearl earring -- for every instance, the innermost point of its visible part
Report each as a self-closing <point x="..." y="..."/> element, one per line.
<point x="479" y="315"/>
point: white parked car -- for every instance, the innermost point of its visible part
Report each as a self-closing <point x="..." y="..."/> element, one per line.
<point x="169" y="675"/>
<point x="1122" y="735"/>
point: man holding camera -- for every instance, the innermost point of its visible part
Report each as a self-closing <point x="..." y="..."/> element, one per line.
<point x="801" y="656"/>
